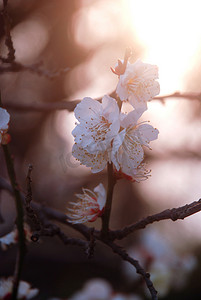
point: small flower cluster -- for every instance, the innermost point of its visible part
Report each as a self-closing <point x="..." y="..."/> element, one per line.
<point x="104" y="134"/>
<point x="24" y="292"/>
<point x="4" y="121"/>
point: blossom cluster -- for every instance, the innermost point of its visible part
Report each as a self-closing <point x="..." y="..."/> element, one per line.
<point x="104" y="134"/>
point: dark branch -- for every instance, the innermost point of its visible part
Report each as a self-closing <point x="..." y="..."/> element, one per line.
<point x="173" y="214"/>
<point x="52" y="230"/>
<point x="146" y="276"/>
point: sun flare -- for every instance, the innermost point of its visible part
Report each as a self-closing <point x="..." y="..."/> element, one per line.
<point x="170" y="32"/>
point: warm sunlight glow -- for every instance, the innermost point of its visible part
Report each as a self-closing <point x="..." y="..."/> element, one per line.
<point x="170" y="32"/>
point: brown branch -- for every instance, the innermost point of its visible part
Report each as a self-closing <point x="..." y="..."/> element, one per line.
<point x="70" y="105"/>
<point x="31" y="213"/>
<point x="173" y="214"/>
<point x="191" y="96"/>
<point x="8" y="39"/>
<point x="146" y="276"/>
<point x="49" y="212"/>
<point x="52" y="230"/>
<point x="34" y="68"/>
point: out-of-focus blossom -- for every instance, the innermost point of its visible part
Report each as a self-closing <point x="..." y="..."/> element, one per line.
<point x="100" y="289"/>
<point x="138" y="84"/>
<point x="89" y="207"/>
<point x="24" y="291"/>
<point x="4" y="120"/>
<point x="127" y="151"/>
<point x="98" y="124"/>
<point x="12" y="237"/>
<point x="163" y="263"/>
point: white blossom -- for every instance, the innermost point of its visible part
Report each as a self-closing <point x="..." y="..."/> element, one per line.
<point x="138" y="84"/>
<point x="98" y="124"/>
<point x="97" y="161"/>
<point x="4" y="120"/>
<point x="24" y="291"/>
<point x="127" y="152"/>
<point x="12" y="237"/>
<point x="89" y="207"/>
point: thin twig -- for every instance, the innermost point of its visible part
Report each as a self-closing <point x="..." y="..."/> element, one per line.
<point x="34" y="68"/>
<point x="146" y="276"/>
<point x="31" y="213"/>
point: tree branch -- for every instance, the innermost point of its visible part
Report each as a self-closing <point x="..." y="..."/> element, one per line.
<point x="146" y="276"/>
<point x="70" y="105"/>
<point x="173" y="214"/>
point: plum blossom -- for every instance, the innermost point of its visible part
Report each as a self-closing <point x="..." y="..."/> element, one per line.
<point x="98" y="124"/>
<point x="24" y="291"/>
<point x="138" y="84"/>
<point x="127" y="152"/>
<point x="4" y="120"/>
<point x="97" y="161"/>
<point x="89" y="207"/>
<point x="12" y="237"/>
<point x="138" y="174"/>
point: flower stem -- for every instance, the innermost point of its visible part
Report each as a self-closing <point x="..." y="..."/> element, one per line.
<point x="19" y="221"/>
<point x="108" y="205"/>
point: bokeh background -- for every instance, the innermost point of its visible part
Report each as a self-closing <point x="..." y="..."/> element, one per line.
<point x="88" y="36"/>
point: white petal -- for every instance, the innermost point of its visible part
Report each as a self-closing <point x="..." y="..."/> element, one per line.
<point x="100" y="190"/>
<point x="97" y="162"/>
<point x="131" y="118"/>
<point x="88" y="108"/>
<point x="147" y="133"/>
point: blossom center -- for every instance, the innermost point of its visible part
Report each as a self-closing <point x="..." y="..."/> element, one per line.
<point x="135" y="85"/>
<point x="100" y="129"/>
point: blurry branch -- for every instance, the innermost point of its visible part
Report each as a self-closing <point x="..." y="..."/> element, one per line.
<point x="34" y="68"/>
<point x="8" y="40"/>
<point x="8" y="64"/>
<point x="173" y="214"/>
<point x="70" y="105"/>
<point x="190" y="96"/>
<point x="179" y="154"/>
